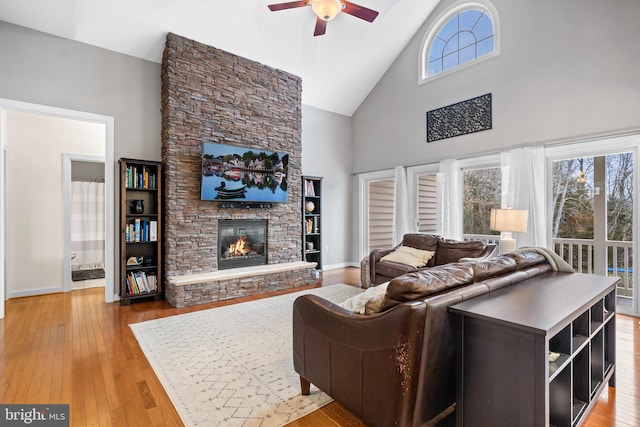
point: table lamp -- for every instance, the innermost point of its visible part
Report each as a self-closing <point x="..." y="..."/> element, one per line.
<point x="508" y="221"/>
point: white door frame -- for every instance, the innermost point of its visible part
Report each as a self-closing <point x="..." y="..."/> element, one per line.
<point x="593" y="148"/>
<point x="363" y="205"/>
<point x="67" y="158"/>
<point x="3" y="209"/>
<point x="108" y="121"/>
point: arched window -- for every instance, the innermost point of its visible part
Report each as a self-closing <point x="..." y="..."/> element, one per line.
<point x="462" y="35"/>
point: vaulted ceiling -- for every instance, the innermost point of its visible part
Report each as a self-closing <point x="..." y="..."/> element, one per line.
<point x="338" y="69"/>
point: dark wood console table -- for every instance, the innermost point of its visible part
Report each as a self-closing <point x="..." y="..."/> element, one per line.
<point x="506" y="339"/>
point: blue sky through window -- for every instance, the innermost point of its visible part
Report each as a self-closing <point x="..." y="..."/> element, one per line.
<point x="465" y="37"/>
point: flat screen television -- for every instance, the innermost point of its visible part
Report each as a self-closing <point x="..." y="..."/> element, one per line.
<point x="231" y="173"/>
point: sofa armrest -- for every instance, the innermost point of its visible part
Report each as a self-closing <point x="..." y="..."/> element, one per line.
<point x="370" y="364"/>
<point x="374" y="257"/>
<point x="490" y="251"/>
<point x="377" y="254"/>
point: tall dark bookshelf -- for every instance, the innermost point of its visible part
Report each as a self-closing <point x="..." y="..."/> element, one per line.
<point x="140" y="230"/>
<point x="312" y="220"/>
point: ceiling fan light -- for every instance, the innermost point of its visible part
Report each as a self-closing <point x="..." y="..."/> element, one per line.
<point x="326" y="9"/>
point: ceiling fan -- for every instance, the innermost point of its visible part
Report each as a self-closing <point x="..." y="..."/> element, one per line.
<point x="326" y="10"/>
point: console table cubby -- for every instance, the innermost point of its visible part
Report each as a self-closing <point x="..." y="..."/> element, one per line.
<point x="537" y="353"/>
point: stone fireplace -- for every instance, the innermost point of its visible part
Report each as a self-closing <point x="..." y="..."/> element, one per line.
<point x="209" y="95"/>
<point x="241" y="243"/>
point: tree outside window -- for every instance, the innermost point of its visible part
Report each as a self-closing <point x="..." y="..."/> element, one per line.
<point x="482" y="192"/>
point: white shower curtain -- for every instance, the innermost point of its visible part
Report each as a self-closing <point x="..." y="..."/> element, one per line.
<point x="87" y="225"/>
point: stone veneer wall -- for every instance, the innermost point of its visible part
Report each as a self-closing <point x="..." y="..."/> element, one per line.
<point x="212" y="95"/>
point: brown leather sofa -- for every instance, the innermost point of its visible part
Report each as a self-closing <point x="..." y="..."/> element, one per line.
<point x="396" y="367"/>
<point x="446" y="251"/>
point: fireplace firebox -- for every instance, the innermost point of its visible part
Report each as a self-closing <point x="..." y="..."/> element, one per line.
<point x="241" y="243"/>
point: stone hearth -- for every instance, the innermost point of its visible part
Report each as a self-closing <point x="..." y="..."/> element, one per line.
<point x="221" y="285"/>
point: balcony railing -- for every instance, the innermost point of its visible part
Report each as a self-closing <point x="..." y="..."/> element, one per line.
<point x="579" y="253"/>
<point x="489" y="239"/>
<point x="619" y="260"/>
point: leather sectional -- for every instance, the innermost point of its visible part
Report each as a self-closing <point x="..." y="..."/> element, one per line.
<point x="396" y="367"/>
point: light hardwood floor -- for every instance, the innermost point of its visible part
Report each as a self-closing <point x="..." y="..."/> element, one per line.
<point x="72" y="348"/>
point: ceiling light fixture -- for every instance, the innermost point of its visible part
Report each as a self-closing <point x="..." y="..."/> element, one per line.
<point x="327" y="9"/>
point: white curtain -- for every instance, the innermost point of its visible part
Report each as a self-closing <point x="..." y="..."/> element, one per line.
<point x="449" y="200"/>
<point x="87" y="225"/>
<point x="523" y="187"/>
<point x="402" y="218"/>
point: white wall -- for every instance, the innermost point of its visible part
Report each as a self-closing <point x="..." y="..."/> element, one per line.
<point x="43" y="69"/>
<point x="326" y="152"/>
<point x="566" y="70"/>
<point x="35" y="240"/>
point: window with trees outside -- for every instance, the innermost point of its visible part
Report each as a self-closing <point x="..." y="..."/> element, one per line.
<point x="593" y="211"/>
<point x="482" y="192"/>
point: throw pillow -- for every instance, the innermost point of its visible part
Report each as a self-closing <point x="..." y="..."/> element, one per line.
<point x="367" y="302"/>
<point x="409" y="256"/>
<point x="421" y="254"/>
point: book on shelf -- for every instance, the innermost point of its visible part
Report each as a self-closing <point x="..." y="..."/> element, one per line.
<point x="309" y="188"/>
<point x="136" y="230"/>
<point x="140" y="282"/>
<point x="140" y="177"/>
<point x="141" y="230"/>
<point x="153" y="231"/>
<point x="153" y="282"/>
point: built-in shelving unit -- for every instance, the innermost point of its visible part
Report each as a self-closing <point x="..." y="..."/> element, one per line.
<point x="312" y="220"/>
<point x="584" y="363"/>
<point x="537" y="353"/>
<point x="140" y="230"/>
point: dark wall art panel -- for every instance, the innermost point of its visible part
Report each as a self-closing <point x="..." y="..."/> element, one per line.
<point x="472" y="115"/>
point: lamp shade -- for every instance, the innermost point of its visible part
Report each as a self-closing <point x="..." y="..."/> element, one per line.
<point x="326" y="9"/>
<point x="511" y="220"/>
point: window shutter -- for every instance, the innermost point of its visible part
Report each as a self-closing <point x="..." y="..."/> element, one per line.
<point x="381" y="214"/>
<point x="427" y="203"/>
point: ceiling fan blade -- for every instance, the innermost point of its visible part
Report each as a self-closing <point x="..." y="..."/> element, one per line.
<point x="360" y="11"/>
<point x="321" y="27"/>
<point x="288" y="5"/>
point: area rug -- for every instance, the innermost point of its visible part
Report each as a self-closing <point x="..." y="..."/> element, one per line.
<point x="232" y="365"/>
<point x="97" y="273"/>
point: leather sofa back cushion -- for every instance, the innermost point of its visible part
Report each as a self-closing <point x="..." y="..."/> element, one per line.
<point x="494" y="267"/>
<point x="526" y="259"/>
<point x="426" y="242"/>
<point x="452" y="250"/>
<point x="423" y="283"/>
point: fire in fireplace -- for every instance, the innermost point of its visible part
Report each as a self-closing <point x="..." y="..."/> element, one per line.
<point x="241" y="243"/>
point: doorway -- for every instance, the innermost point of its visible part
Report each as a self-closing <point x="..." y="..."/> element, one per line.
<point x="594" y="207"/>
<point x="84" y="221"/>
<point x="9" y="107"/>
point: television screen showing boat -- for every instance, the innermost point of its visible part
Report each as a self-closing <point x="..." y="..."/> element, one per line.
<point x="231" y="173"/>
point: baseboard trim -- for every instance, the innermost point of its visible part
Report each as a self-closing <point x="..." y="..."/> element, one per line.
<point x="34" y="292"/>
<point x="341" y="265"/>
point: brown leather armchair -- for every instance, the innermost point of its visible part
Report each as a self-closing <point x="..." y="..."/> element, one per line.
<point x="446" y="251"/>
<point x="396" y="367"/>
